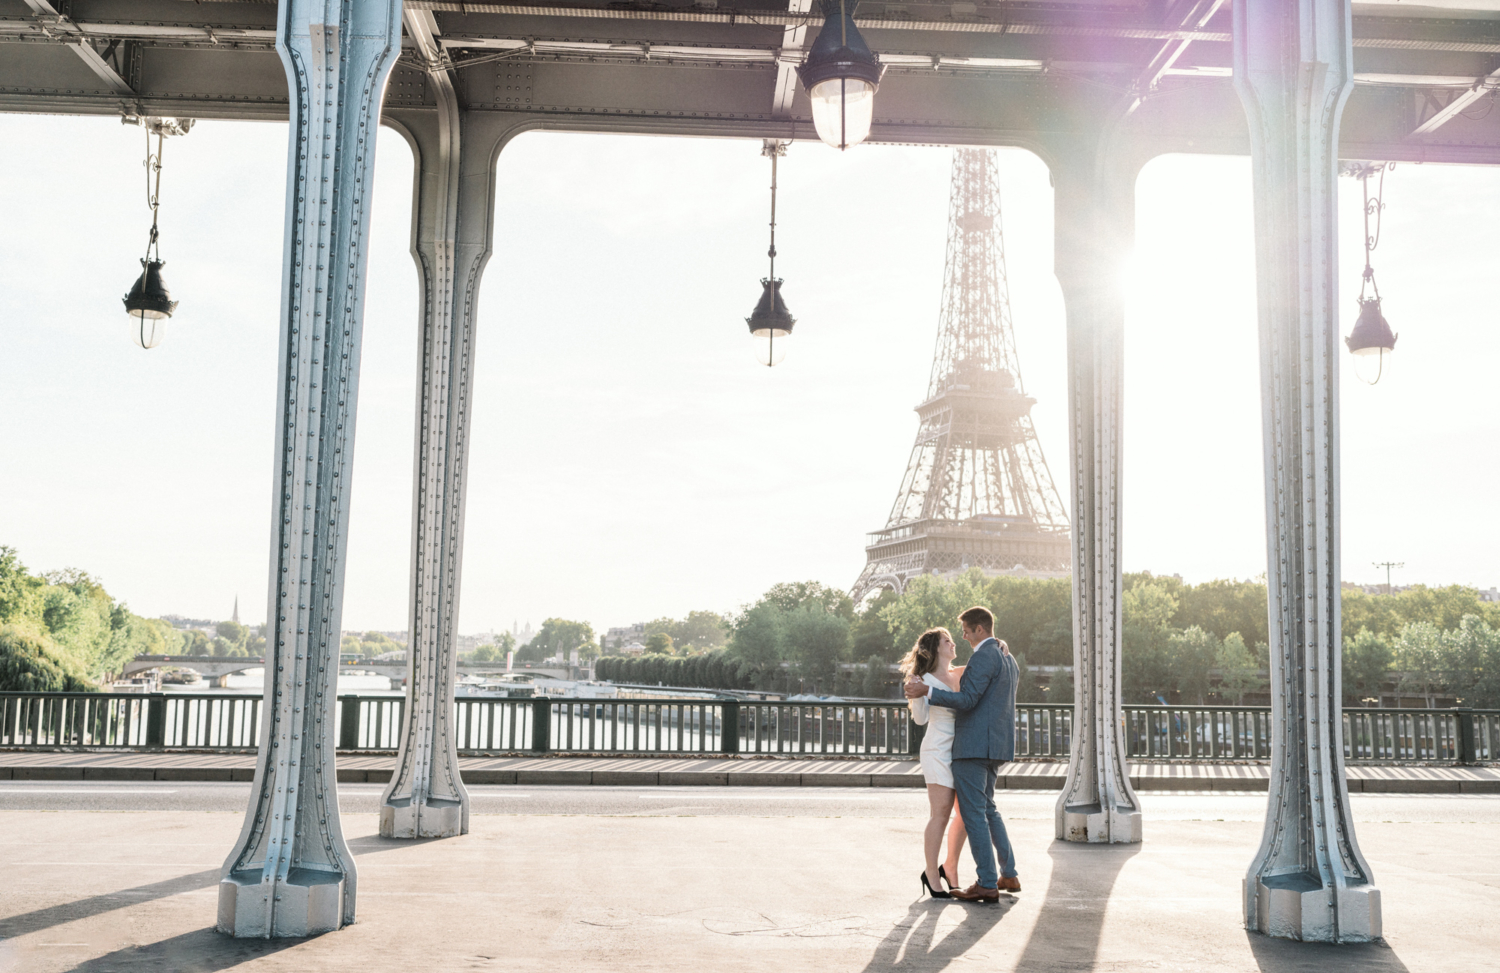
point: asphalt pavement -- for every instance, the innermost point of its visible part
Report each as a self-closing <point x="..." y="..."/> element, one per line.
<point x="794" y="802"/>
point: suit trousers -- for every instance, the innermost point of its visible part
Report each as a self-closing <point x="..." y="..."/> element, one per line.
<point x="974" y="780"/>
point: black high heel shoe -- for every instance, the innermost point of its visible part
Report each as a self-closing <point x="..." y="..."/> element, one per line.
<point x="935" y="893"/>
<point x="946" y="880"/>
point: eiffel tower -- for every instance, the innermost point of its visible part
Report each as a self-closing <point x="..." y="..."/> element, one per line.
<point x="977" y="491"/>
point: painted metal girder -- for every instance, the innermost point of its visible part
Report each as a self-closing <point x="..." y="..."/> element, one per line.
<point x="290" y="873"/>
<point x="1094" y="217"/>
<point x="1293" y="71"/>
<point x="451" y="234"/>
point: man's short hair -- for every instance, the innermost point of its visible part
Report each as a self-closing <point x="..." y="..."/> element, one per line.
<point x="978" y="618"/>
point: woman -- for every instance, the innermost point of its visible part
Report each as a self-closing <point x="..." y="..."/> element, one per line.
<point x="932" y="659"/>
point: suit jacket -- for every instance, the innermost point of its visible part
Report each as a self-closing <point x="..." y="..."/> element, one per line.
<point x="985" y="723"/>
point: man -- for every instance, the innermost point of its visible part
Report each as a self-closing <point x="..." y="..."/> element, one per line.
<point x="984" y="738"/>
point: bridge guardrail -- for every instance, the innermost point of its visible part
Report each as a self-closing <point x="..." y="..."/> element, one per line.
<point x="492" y="725"/>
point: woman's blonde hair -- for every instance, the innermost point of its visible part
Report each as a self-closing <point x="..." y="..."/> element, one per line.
<point x="923" y="657"/>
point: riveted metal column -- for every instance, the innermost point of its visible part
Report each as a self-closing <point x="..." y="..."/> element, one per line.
<point x="1093" y="229"/>
<point x="290" y="873"/>
<point x="451" y="229"/>
<point x="1293" y="70"/>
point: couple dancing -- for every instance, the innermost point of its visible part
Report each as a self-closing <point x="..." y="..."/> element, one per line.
<point x="970" y="714"/>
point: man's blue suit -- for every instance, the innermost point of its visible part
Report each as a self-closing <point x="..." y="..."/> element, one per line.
<point x="984" y="738"/>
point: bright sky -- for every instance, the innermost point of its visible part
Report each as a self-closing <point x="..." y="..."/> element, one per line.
<point x="630" y="460"/>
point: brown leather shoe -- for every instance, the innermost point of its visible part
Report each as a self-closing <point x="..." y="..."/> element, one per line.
<point x="1010" y="884"/>
<point x="977" y="893"/>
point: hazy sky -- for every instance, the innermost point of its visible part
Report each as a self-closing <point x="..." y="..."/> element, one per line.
<point x="629" y="458"/>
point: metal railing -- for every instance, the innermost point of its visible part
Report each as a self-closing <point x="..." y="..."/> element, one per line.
<point x="188" y="721"/>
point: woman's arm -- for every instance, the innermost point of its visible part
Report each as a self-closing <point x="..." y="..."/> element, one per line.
<point x="976" y="679"/>
<point x="920" y="710"/>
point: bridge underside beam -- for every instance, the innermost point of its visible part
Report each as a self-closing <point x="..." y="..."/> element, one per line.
<point x="698" y="73"/>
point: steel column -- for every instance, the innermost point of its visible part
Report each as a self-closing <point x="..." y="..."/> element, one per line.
<point x="451" y="228"/>
<point x="290" y="873"/>
<point x="1094" y="226"/>
<point x="1292" y="69"/>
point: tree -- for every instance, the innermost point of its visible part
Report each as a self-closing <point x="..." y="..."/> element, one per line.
<point x="1419" y="651"/>
<point x="816" y="642"/>
<point x="930" y="601"/>
<point x="1221" y="607"/>
<point x="20" y="591"/>
<point x="1239" y="671"/>
<point x="700" y="631"/>
<point x="870" y="633"/>
<point x="558" y="637"/>
<point x="876" y="681"/>
<point x="1035" y="616"/>
<point x="232" y="632"/>
<point x="756" y="644"/>
<point x="792" y="595"/>
<point x="1146" y="659"/>
<point x="31" y="663"/>
<point x="1027" y="688"/>
<point x="659" y="643"/>
<point x="1194" y="653"/>
<point x="1366" y="663"/>
<point x="1060" y="690"/>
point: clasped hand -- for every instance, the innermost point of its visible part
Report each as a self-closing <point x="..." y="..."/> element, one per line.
<point x="915" y="687"/>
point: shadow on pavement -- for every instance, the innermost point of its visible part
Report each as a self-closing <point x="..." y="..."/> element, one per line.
<point x="909" y="945"/>
<point x="94" y="905"/>
<point x="201" y="951"/>
<point x="1290" y="956"/>
<point x="1071" y="919"/>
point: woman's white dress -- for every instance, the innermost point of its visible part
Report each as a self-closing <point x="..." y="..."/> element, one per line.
<point x="937" y="745"/>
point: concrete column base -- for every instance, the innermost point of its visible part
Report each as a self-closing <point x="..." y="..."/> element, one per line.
<point x="439" y="817"/>
<point x="1299" y="907"/>
<point x="1096" y="825"/>
<point x="307" y="903"/>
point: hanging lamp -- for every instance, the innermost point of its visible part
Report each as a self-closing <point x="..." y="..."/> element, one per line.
<point x="841" y="76"/>
<point x="771" y="323"/>
<point x="149" y="304"/>
<point x="1372" y="339"/>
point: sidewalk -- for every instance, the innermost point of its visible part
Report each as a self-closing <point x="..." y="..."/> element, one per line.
<point x="716" y="771"/>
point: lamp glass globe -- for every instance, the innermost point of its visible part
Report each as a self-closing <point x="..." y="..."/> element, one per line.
<point x="842" y="110"/>
<point x="770" y="345"/>
<point x="147" y="328"/>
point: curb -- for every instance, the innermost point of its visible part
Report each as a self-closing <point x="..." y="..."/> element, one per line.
<point x="738" y="778"/>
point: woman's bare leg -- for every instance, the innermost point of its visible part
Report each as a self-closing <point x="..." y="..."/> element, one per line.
<point x="956" y="838"/>
<point x="940" y="808"/>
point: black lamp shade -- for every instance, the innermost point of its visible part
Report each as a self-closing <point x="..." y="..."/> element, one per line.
<point x="770" y="314"/>
<point x="840" y="76"/>
<point x="149" y="297"/>
<point x="1371" y="334"/>
<point x="840" y="52"/>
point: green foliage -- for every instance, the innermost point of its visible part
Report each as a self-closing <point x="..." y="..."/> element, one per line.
<point x="1028" y="690"/>
<point x="1366" y="660"/>
<point x="870" y="634"/>
<point x="700" y="631"/>
<point x="32" y="663"/>
<point x="807" y="625"/>
<point x="495" y="652"/>
<point x="817" y="641"/>
<point x="929" y="601"/>
<point x="659" y="643"/>
<point x="1060" y="690"/>
<point x="558" y="637"/>
<point x="1194" y="653"/>
<point x="1035" y="615"/>
<point x="1239" y="669"/>
<point x="20" y="592"/>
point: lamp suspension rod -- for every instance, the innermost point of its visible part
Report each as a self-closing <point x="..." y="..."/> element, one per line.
<point x="1372" y="208"/>
<point x="153" y="192"/>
